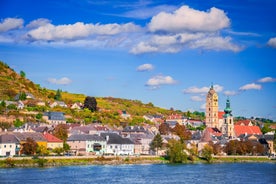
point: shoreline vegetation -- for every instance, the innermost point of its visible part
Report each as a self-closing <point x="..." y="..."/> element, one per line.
<point x="25" y="162"/>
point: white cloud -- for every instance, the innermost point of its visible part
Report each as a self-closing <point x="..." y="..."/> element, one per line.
<point x="145" y="67"/>
<point x="188" y="19"/>
<point x="160" y="80"/>
<point x="272" y="42"/>
<point x="197" y="98"/>
<point x="143" y="47"/>
<point x="194" y="89"/>
<point x="10" y="24"/>
<point x="38" y="23"/>
<point x="216" y="43"/>
<point x="61" y="81"/>
<point x="267" y="79"/>
<point x="251" y="86"/>
<point x="230" y="93"/>
<point x="78" y="30"/>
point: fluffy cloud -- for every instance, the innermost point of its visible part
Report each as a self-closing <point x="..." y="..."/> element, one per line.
<point x="38" y="23"/>
<point x="78" y="30"/>
<point x="267" y="79"/>
<point x="251" y="86"/>
<point x="194" y="90"/>
<point x="272" y="42"/>
<point x="145" y="67"/>
<point x="230" y="93"/>
<point x="188" y="19"/>
<point x="216" y="43"/>
<point x="197" y="98"/>
<point x="61" y="81"/>
<point x="11" y="23"/>
<point x="159" y="80"/>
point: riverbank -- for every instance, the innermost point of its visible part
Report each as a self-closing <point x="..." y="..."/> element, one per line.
<point x="115" y="160"/>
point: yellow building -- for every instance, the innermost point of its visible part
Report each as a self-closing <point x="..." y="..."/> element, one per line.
<point x="212" y="109"/>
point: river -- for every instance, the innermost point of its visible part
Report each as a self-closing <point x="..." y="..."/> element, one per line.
<point x="233" y="173"/>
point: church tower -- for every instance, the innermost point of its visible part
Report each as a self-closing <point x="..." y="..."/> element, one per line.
<point x="212" y="109"/>
<point x="228" y="126"/>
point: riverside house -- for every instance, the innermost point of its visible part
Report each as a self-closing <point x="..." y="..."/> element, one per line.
<point x="86" y="144"/>
<point x="9" y="145"/>
<point x="116" y="145"/>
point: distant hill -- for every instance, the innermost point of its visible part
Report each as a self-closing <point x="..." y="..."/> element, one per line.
<point x="12" y="83"/>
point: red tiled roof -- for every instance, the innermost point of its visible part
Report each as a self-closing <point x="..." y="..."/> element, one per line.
<point x="51" y="138"/>
<point x="220" y="114"/>
<point x="272" y="126"/>
<point x="214" y="131"/>
<point x="243" y="122"/>
<point x="252" y="130"/>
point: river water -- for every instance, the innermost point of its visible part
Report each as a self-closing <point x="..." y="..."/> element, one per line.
<point x="227" y="173"/>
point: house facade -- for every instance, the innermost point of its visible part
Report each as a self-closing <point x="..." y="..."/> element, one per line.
<point x="86" y="144"/>
<point x="116" y="145"/>
<point x="9" y="145"/>
<point x="54" y="118"/>
<point x="52" y="141"/>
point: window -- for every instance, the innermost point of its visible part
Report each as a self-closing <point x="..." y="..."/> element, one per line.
<point x="5" y="146"/>
<point x="10" y="146"/>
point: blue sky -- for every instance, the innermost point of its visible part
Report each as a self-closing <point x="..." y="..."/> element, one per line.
<point x="165" y="52"/>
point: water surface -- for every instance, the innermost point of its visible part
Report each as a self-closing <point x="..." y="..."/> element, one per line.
<point x="236" y="173"/>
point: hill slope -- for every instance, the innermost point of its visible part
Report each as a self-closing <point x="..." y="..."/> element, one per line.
<point x="12" y="83"/>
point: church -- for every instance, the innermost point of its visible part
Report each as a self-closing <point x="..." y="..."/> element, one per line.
<point x="224" y="125"/>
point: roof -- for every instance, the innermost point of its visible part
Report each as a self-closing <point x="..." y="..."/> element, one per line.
<point x="252" y="130"/>
<point x="51" y="138"/>
<point x="214" y="131"/>
<point x="55" y="115"/>
<point x="113" y="138"/>
<point x="85" y="137"/>
<point x="243" y="122"/>
<point x="8" y="138"/>
<point x="38" y="137"/>
<point x="220" y="114"/>
<point x="134" y="129"/>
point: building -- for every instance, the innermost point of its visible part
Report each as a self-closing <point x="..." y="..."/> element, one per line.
<point x="212" y="109"/>
<point x="85" y="144"/>
<point x="52" y="141"/>
<point x="116" y="145"/>
<point x="228" y="125"/>
<point x="9" y="145"/>
<point x="54" y="118"/>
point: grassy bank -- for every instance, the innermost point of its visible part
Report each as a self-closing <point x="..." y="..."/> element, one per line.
<point x="66" y="161"/>
<point x="51" y="162"/>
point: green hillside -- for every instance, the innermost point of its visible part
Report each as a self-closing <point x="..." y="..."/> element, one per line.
<point x="12" y="83"/>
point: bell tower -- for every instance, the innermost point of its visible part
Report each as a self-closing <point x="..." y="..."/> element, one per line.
<point x="212" y="109"/>
<point x="228" y="125"/>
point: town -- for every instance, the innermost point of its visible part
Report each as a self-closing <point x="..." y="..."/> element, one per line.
<point x="55" y="132"/>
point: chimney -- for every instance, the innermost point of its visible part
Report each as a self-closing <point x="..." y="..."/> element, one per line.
<point x="107" y="137"/>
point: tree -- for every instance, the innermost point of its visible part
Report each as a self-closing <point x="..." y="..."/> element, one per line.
<point x="58" y="95"/>
<point x="156" y="143"/>
<point x="182" y="132"/>
<point x="22" y="74"/>
<point x="17" y="123"/>
<point x="60" y="132"/>
<point x="175" y="152"/>
<point x="29" y="147"/>
<point x="42" y="150"/>
<point x="207" y="152"/>
<point x="90" y="103"/>
<point x="164" y="129"/>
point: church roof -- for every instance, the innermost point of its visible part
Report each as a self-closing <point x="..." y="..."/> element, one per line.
<point x="252" y="130"/>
